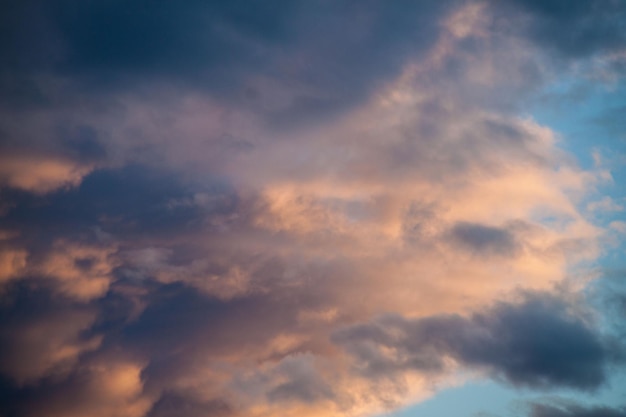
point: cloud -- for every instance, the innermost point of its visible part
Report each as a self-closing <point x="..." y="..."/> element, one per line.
<point x="40" y="175"/>
<point x="42" y="337"/>
<point x="41" y="155"/>
<point x="485" y="239"/>
<point x="230" y="49"/>
<point x="583" y="29"/>
<point x="535" y="343"/>
<point x="297" y="209"/>
<point x="173" y="404"/>
<point x="99" y="390"/>
<point x="79" y="271"/>
<point x="12" y="264"/>
<point x="574" y="410"/>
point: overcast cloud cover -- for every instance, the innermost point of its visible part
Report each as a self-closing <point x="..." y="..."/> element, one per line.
<point x="308" y="208"/>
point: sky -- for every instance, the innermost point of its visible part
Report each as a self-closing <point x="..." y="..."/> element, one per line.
<point x="312" y="208"/>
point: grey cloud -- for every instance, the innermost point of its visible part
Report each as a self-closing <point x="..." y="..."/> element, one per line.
<point x="572" y="29"/>
<point x="42" y="335"/>
<point x="536" y="343"/>
<point x="91" y="393"/>
<point x="303" y="384"/>
<point x="333" y="52"/>
<point x="82" y="238"/>
<point x="83" y="143"/>
<point x="222" y="39"/>
<point x="128" y="203"/>
<point x="195" y="321"/>
<point x="80" y="143"/>
<point x="292" y="63"/>
<point x="483" y="239"/>
<point x="229" y="50"/>
<point x="575" y="410"/>
<point x="65" y="61"/>
<point x="181" y="327"/>
<point x="170" y="329"/>
<point x="173" y="404"/>
<point x="301" y="390"/>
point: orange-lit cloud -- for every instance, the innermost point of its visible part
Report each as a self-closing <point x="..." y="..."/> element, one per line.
<point x="40" y="175"/>
<point x="80" y="272"/>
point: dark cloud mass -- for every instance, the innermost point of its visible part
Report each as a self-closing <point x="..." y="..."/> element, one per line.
<point x="330" y="53"/>
<point x="133" y="202"/>
<point x="298" y="208"/>
<point x="576" y="28"/>
<point x="535" y="343"/>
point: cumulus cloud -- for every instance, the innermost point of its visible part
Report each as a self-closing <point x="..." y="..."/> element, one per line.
<point x="295" y="209"/>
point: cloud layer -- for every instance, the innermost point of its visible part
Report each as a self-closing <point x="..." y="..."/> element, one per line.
<point x="295" y="208"/>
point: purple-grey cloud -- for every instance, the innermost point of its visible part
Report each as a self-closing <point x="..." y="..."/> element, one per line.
<point x="574" y="410"/>
<point x="535" y="343"/>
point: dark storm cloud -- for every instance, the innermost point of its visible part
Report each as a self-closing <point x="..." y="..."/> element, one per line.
<point x="536" y="343"/>
<point x="574" y="410"/>
<point x="226" y="38"/>
<point x="329" y="53"/>
<point x="125" y="202"/>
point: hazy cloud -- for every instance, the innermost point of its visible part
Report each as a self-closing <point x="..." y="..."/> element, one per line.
<point x="574" y="410"/>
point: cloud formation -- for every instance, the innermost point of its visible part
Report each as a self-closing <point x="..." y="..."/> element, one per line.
<point x="535" y="343"/>
<point x="294" y="208"/>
